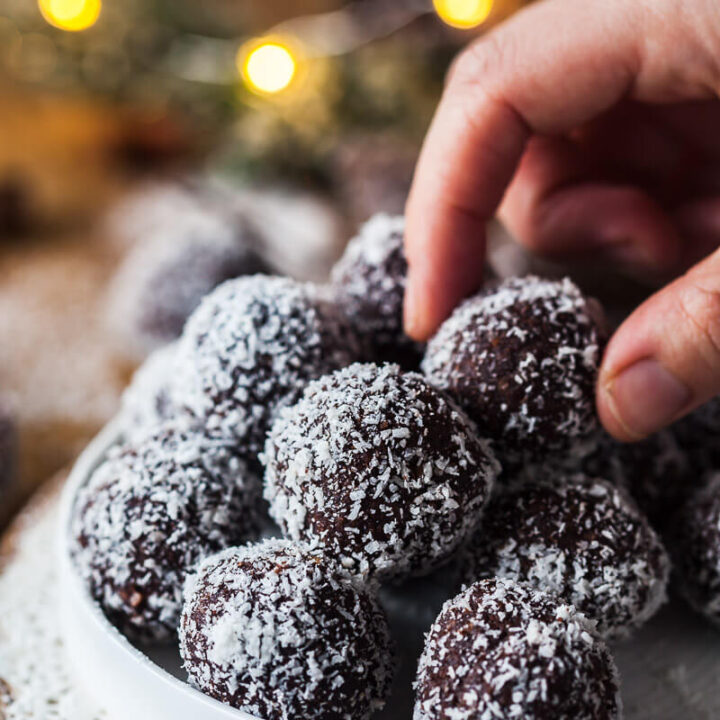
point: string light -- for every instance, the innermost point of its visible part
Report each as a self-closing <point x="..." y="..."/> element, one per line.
<point x="71" y="15"/>
<point x="463" y="13"/>
<point x="267" y="66"/>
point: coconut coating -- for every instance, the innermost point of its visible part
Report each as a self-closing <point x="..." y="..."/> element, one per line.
<point x="251" y="346"/>
<point x="148" y="514"/>
<point x="379" y="468"/>
<point x="581" y="539"/>
<point x="522" y="360"/>
<point x="505" y="650"/>
<point x="656" y="472"/>
<point x="147" y="401"/>
<point x="696" y="549"/>
<point x="8" y="445"/>
<point x="369" y="285"/>
<point x="699" y="435"/>
<point x="164" y="277"/>
<point x="280" y="631"/>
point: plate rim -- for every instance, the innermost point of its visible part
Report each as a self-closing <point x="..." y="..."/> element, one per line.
<point x="87" y="633"/>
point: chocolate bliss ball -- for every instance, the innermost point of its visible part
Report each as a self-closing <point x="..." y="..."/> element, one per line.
<point x="505" y="650"/>
<point x="522" y="360"/>
<point x="278" y="630"/>
<point x="379" y="468"/>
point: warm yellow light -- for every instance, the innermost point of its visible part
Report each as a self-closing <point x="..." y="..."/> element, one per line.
<point x="463" y="13"/>
<point x="72" y="15"/>
<point x="267" y="67"/>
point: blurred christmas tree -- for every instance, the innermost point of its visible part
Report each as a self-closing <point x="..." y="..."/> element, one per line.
<point x="363" y="74"/>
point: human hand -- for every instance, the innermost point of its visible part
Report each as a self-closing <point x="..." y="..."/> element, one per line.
<point x="594" y="128"/>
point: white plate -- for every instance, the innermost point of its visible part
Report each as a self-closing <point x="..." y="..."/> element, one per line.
<point x="669" y="670"/>
<point x="121" y="679"/>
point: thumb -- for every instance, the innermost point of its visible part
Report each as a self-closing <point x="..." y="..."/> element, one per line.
<point x="664" y="360"/>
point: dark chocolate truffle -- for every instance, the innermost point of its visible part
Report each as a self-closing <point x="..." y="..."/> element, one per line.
<point x="149" y="513"/>
<point x="522" y="360"/>
<point x="505" y="650"/>
<point x="695" y="548"/>
<point x="251" y="346"/>
<point x="379" y="468"/>
<point x="656" y="472"/>
<point x="699" y="435"/>
<point x="164" y="277"/>
<point x="369" y="284"/>
<point x="581" y="539"/>
<point x="147" y="401"/>
<point x="278" y="630"/>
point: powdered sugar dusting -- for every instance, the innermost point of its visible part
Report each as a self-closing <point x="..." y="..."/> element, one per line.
<point x="278" y="630"/>
<point x="380" y="469"/>
<point x="504" y="650"/>
<point x="579" y="538"/>
<point x="522" y="360"/>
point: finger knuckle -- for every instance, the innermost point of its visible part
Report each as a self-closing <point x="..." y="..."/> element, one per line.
<point x="485" y="62"/>
<point x="699" y="304"/>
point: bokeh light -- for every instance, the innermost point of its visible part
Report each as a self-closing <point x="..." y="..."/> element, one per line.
<point x="71" y="15"/>
<point x="268" y="67"/>
<point x="463" y="13"/>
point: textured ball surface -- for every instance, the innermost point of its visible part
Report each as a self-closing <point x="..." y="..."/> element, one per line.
<point x="251" y="346"/>
<point x="148" y="514"/>
<point x="147" y="401"/>
<point x="699" y="435"/>
<point x="656" y="472"/>
<point x="163" y="278"/>
<point x="581" y="539"/>
<point x="695" y="549"/>
<point x="278" y="630"/>
<point x="369" y="284"/>
<point x="505" y="650"/>
<point x="522" y="360"/>
<point x="380" y="469"/>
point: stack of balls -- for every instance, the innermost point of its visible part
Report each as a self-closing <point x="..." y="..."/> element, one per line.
<point x="278" y="396"/>
<point x="168" y="271"/>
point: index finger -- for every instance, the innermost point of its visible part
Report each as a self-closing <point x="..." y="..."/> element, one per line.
<point x="547" y="70"/>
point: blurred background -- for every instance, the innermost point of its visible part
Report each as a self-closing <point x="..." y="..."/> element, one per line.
<point x="134" y="133"/>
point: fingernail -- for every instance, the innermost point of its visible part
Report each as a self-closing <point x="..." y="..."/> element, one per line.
<point x="646" y="397"/>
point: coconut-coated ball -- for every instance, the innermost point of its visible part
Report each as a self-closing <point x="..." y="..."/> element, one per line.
<point x="379" y="468"/>
<point x="579" y="538"/>
<point x="369" y="285"/>
<point x="251" y="346"/>
<point x="164" y="277"/>
<point x="505" y="650"/>
<point x="148" y="514"/>
<point x="147" y="400"/>
<point x="656" y="472"/>
<point x="280" y="631"/>
<point x="695" y="547"/>
<point x="522" y="360"/>
<point x="699" y="435"/>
